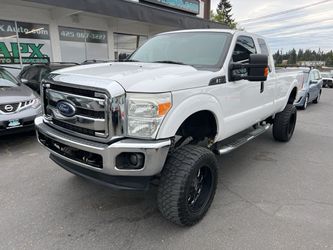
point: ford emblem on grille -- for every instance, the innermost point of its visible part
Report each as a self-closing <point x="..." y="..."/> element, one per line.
<point x="66" y="108"/>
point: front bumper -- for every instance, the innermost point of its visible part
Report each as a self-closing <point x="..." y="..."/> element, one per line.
<point x="155" y="152"/>
<point x="300" y="98"/>
<point x="25" y="117"/>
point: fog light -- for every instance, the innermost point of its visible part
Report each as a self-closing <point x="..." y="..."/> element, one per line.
<point x="130" y="161"/>
<point x="133" y="159"/>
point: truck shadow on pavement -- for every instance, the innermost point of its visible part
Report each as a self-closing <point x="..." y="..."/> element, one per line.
<point x="107" y="207"/>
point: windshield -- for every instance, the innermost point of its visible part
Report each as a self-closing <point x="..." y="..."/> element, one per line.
<point x="6" y="79"/>
<point x="198" y="49"/>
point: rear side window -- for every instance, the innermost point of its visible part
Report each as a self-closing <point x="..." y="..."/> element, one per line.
<point x="263" y="46"/>
<point x="244" y="48"/>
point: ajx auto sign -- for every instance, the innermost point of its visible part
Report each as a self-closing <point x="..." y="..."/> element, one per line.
<point x="34" y="42"/>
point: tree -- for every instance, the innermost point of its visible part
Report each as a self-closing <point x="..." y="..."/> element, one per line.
<point x="277" y="57"/>
<point x="300" y="55"/>
<point x="292" y="57"/>
<point x="223" y="14"/>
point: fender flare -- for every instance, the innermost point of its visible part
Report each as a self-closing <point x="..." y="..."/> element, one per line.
<point x="292" y="86"/>
<point x="185" y="109"/>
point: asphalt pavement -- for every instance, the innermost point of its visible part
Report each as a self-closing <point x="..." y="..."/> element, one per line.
<point x="270" y="196"/>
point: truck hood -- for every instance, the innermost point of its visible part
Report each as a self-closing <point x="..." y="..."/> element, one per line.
<point x="142" y="77"/>
<point x="15" y="94"/>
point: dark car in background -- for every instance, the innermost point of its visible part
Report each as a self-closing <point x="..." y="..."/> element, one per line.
<point x="33" y="74"/>
<point x="19" y="105"/>
<point x="311" y="83"/>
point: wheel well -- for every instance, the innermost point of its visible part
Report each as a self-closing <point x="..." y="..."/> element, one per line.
<point x="199" y="125"/>
<point x="292" y="96"/>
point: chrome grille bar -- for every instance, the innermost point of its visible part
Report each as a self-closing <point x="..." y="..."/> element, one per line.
<point x="91" y="118"/>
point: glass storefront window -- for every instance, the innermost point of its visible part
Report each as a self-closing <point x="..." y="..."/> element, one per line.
<point x="24" y="43"/>
<point x="78" y="45"/>
<point x="125" y="44"/>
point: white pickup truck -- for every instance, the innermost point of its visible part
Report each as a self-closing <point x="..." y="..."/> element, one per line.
<point x="161" y="115"/>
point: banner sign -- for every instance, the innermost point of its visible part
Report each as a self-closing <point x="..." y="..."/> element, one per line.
<point x="25" y="60"/>
<point x="33" y="44"/>
<point x="25" y="30"/>
<point x="30" y="53"/>
<point x="82" y="35"/>
<point x="191" y="6"/>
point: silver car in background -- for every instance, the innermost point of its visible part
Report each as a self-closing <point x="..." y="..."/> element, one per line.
<point x="311" y="84"/>
<point x="19" y="105"/>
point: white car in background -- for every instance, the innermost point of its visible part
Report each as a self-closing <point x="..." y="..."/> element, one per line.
<point x="327" y="79"/>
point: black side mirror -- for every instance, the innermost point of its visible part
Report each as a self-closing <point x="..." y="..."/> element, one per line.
<point x="122" y="57"/>
<point x="256" y="70"/>
<point x="313" y="82"/>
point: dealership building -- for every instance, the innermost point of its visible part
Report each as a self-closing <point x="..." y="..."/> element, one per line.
<point x="38" y="31"/>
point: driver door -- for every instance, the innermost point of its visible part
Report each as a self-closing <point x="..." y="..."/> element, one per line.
<point x="242" y="105"/>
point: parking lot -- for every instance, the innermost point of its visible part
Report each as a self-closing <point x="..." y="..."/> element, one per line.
<point x="270" y="196"/>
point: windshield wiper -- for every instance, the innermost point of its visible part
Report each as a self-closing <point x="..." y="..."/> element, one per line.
<point x="171" y="62"/>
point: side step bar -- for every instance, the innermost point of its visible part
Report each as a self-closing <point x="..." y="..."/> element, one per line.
<point x="227" y="148"/>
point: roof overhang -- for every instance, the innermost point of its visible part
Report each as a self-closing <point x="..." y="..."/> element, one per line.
<point x="136" y="11"/>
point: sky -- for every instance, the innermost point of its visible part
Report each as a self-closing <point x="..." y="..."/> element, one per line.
<point x="287" y="24"/>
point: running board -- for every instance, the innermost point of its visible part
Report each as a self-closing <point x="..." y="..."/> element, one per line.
<point x="227" y="148"/>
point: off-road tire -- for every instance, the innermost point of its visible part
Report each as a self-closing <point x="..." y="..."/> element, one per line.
<point x="315" y="101"/>
<point x="179" y="172"/>
<point x="284" y="123"/>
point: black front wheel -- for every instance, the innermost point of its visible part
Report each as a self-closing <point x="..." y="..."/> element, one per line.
<point x="284" y="123"/>
<point x="188" y="184"/>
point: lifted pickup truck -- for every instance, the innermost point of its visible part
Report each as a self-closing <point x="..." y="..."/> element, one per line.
<point x="161" y="115"/>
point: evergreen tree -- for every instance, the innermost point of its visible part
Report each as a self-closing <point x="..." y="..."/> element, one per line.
<point x="292" y="57"/>
<point x="300" y="55"/>
<point x="223" y="14"/>
<point x="303" y="55"/>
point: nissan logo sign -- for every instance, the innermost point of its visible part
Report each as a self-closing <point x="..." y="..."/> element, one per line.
<point x="66" y="109"/>
<point x="9" y="108"/>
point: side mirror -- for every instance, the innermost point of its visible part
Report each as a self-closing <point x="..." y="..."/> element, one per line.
<point x="122" y="57"/>
<point x="313" y="82"/>
<point x="256" y="70"/>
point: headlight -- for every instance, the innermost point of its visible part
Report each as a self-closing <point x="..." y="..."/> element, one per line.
<point x="145" y="113"/>
<point x="35" y="103"/>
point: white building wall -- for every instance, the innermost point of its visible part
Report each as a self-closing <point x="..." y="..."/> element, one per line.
<point x="16" y="10"/>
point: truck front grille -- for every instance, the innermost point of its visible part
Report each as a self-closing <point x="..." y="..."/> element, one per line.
<point x="91" y="117"/>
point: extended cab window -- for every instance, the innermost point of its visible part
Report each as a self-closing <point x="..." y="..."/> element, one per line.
<point x="263" y="46"/>
<point x="244" y="48"/>
<point x="264" y="50"/>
